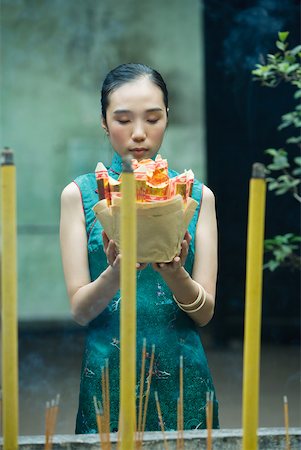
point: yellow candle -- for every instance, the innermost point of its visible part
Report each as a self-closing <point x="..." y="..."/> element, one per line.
<point x="9" y="302"/>
<point x="252" y="332"/>
<point x="128" y="250"/>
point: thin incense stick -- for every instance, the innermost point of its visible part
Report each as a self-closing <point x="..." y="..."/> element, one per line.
<point x="149" y="380"/>
<point x="286" y="423"/>
<point x="107" y="384"/>
<point x="178" y="424"/>
<point x="142" y="374"/>
<point x="97" y="408"/>
<point x="47" y="411"/>
<point x="51" y="412"/>
<point x="54" y="416"/>
<point x="105" y="409"/>
<point x="1" y="411"/>
<point x="51" y="423"/>
<point x="181" y="404"/>
<point x="209" y="414"/>
<point x="48" y="424"/>
<point x="161" y="419"/>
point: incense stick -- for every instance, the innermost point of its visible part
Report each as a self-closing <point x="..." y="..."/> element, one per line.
<point x="98" y="411"/>
<point x="181" y="406"/>
<point x="161" y="419"/>
<point x="47" y="410"/>
<point x="51" y="421"/>
<point x="107" y="385"/>
<point x="51" y="413"/>
<point x="149" y="380"/>
<point x="178" y="423"/>
<point x="142" y="373"/>
<point x="209" y="415"/>
<point x="1" y="411"/>
<point x="286" y="423"/>
<point x="105" y="419"/>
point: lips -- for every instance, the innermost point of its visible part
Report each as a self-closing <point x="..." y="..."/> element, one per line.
<point x="138" y="149"/>
<point x="138" y="152"/>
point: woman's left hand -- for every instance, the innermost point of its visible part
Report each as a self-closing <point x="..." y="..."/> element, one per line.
<point x="178" y="260"/>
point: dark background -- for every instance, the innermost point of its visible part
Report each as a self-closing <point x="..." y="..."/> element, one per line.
<point x="242" y="121"/>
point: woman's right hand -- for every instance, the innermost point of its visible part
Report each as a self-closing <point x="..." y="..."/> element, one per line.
<point x="111" y="251"/>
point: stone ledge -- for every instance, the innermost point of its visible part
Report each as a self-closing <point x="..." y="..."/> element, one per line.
<point x="226" y="439"/>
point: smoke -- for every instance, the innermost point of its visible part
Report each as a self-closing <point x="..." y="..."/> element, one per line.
<point x="254" y="33"/>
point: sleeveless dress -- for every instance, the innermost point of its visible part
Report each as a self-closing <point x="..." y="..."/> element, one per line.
<point x="159" y="320"/>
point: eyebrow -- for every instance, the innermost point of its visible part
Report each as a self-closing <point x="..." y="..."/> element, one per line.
<point x="124" y="111"/>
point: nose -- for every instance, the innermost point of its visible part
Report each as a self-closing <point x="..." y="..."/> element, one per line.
<point x="138" y="133"/>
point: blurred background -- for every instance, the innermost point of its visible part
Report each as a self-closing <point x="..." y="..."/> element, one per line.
<point x="55" y="55"/>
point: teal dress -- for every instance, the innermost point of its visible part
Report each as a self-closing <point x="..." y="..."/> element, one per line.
<point x="159" y="320"/>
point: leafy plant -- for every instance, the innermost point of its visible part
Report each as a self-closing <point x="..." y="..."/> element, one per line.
<point x="282" y="249"/>
<point x="283" y="175"/>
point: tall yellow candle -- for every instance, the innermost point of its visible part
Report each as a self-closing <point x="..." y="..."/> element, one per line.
<point x="128" y="250"/>
<point x="252" y="331"/>
<point x="9" y="328"/>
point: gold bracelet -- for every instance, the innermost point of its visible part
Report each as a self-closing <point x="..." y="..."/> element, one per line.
<point x="201" y="296"/>
<point x="196" y="302"/>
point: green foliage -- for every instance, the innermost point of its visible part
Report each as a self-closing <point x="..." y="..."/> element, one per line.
<point x="283" y="175"/>
<point x="282" y="248"/>
<point x="281" y="66"/>
<point x="286" y="181"/>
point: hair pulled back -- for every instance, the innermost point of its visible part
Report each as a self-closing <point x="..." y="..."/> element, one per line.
<point x="126" y="73"/>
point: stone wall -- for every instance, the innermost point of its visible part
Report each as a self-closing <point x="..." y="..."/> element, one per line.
<point x="268" y="439"/>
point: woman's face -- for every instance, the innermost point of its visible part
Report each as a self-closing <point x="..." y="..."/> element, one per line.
<point x="136" y="119"/>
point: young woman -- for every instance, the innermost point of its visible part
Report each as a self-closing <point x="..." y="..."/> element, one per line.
<point x="173" y="299"/>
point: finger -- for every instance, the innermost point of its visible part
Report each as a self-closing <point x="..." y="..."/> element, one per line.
<point x="177" y="263"/>
<point x="112" y="252"/>
<point x="116" y="262"/>
<point x="156" y="267"/>
<point x="184" y="250"/>
<point x="184" y="246"/>
<point x="187" y="238"/>
<point x="105" y="240"/>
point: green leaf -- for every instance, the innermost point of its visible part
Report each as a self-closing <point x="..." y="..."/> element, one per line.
<point x="297" y="94"/>
<point x="282" y="35"/>
<point x="292" y="68"/>
<point x="296" y="238"/>
<point x="271" y="151"/>
<point x="294" y="140"/>
<point x="296" y="172"/>
<point x="282" y="191"/>
<point x="294" y="51"/>
<point x="280" y="45"/>
<point x="273" y="186"/>
<point x="297" y="160"/>
<point x="271" y="265"/>
<point x="279" y="163"/>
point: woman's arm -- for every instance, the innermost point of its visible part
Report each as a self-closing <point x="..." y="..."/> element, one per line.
<point x="205" y="264"/>
<point x="88" y="299"/>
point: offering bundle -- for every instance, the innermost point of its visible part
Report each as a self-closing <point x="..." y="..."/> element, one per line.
<point x="164" y="208"/>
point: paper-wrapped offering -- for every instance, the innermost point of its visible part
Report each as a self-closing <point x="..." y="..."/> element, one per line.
<point x="164" y="210"/>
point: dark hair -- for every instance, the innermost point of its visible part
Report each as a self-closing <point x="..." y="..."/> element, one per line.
<point x="126" y="73"/>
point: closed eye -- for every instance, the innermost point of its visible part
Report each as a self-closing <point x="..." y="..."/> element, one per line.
<point x="152" y="120"/>
<point x="123" y="121"/>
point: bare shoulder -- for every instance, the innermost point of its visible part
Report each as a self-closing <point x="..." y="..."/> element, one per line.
<point x="208" y="195"/>
<point x="71" y="194"/>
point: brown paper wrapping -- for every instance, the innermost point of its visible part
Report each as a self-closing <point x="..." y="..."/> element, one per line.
<point x="161" y="226"/>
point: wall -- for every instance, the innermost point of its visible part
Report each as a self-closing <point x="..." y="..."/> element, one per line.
<point x="55" y="55"/>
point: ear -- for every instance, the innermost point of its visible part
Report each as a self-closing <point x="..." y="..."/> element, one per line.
<point x="104" y="125"/>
